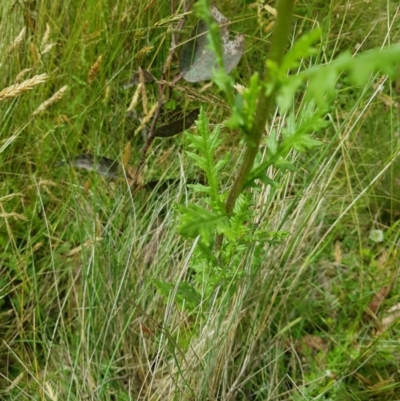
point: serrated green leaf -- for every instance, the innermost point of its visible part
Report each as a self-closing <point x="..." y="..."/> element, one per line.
<point x="195" y="221"/>
<point x="223" y="162"/>
<point x="272" y="237"/>
<point x="260" y="174"/>
<point x="199" y="161"/>
<point x="287" y="92"/>
<point x="303" y="48"/>
<point x="268" y="181"/>
<point x="250" y="96"/>
<point x="205" y="144"/>
<point x="272" y="143"/>
<point x="257" y="173"/>
<point x="283" y="165"/>
<point x="164" y="288"/>
<point x="185" y="295"/>
<point x="199" y="188"/>
<point x="302" y="142"/>
<point x="322" y="85"/>
<point x="322" y="78"/>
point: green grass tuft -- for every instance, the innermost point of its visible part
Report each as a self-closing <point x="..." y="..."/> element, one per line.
<point x="81" y="317"/>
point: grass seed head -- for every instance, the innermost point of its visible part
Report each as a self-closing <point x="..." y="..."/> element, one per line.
<point x="16" y="89"/>
<point x="94" y="69"/>
<point x="55" y="98"/>
<point x="17" y="41"/>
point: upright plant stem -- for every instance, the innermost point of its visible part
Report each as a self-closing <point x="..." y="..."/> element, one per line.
<point x="265" y="101"/>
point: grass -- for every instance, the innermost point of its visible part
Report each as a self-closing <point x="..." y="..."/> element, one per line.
<point x="80" y="316"/>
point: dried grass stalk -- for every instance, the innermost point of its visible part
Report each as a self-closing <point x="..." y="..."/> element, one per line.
<point x="144" y="94"/>
<point x="55" y="98"/>
<point x="16" y="89"/>
<point x="46" y="36"/>
<point x="135" y="98"/>
<point x="171" y="19"/>
<point x="21" y="74"/>
<point x="45" y="47"/>
<point x="146" y="118"/>
<point x="17" y="41"/>
<point x="142" y="52"/>
<point x="48" y="47"/>
<point x="94" y="69"/>
<point x="16" y="216"/>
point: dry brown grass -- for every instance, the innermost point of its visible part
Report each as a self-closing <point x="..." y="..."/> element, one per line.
<point x="94" y="69"/>
<point x="144" y="94"/>
<point x="16" y="89"/>
<point x="146" y="118"/>
<point x="20" y="76"/>
<point x="17" y="41"/>
<point x="46" y="36"/>
<point x="55" y="98"/>
<point x="45" y="46"/>
<point x="143" y="52"/>
<point x="135" y="98"/>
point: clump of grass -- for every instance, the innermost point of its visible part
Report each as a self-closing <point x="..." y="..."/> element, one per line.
<point x="80" y="317"/>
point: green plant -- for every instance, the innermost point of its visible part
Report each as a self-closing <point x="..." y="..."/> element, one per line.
<point x="220" y="214"/>
<point x="99" y="295"/>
